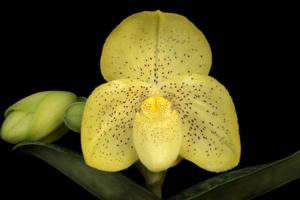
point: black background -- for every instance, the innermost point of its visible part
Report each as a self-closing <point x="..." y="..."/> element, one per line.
<point x="57" y="47"/>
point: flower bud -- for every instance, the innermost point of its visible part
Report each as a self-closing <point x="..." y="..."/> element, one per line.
<point x="73" y="116"/>
<point x="37" y="117"/>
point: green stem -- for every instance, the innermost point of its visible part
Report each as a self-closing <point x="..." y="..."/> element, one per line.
<point x="153" y="180"/>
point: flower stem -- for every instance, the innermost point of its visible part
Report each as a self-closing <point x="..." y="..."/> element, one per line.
<point x="153" y="180"/>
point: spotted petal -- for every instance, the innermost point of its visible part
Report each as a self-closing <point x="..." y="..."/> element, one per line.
<point x="106" y="133"/>
<point x="211" y="136"/>
<point x="154" y="46"/>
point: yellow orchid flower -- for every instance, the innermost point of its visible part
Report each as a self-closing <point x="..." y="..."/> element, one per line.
<point x="160" y="104"/>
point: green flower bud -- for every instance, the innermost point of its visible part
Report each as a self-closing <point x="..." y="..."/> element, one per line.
<point x="73" y="116"/>
<point x="37" y="117"/>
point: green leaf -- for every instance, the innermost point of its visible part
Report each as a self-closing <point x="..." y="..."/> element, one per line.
<point x="246" y="183"/>
<point x="104" y="185"/>
<point x="73" y="116"/>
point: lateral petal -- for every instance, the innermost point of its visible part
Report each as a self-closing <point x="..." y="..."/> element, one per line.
<point x="106" y="133"/>
<point x="211" y="136"/>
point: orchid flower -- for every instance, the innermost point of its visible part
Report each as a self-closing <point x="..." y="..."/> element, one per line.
<point x="159" y="104"/>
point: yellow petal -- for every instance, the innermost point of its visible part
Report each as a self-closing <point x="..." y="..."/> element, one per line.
<point x="154" y="46"/>
<point x="157" y="134"/>
<point x="210" y="136"/>
<point x="106" y="132"/>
